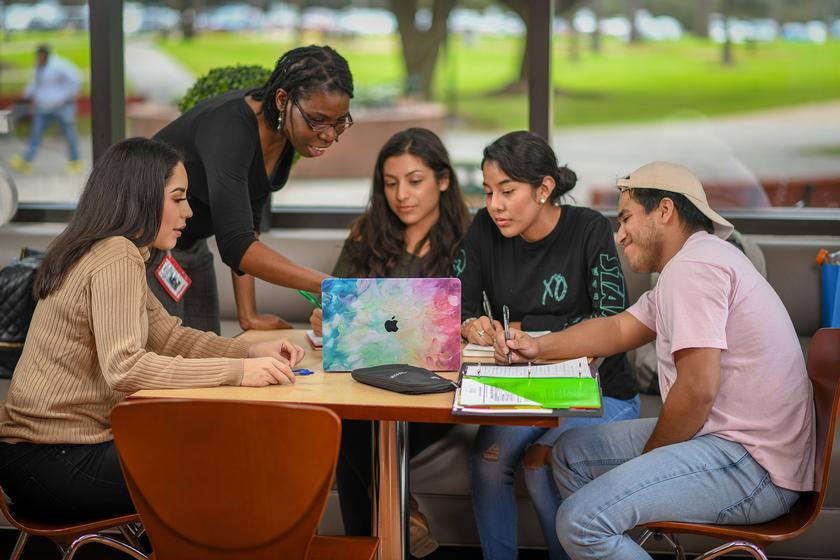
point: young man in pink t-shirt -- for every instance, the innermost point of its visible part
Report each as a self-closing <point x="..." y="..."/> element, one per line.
<point x="734" y="443"/>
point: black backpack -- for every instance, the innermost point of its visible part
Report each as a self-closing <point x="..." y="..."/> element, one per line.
<point x="16" y="307"/>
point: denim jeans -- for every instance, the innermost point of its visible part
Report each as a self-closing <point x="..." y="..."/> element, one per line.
<point x="66" y="117"/>
<point x="609" y="487"/>
<point x="496" y="453"/>
<point x="64" y="482"/>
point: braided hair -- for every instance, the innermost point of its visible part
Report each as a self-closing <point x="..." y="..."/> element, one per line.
<point x="300" y="71"/>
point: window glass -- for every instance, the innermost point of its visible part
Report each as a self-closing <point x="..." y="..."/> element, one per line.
<point x="45" y="98"/>
<point x="747" y="107"/>
<point x="747" y="99"/>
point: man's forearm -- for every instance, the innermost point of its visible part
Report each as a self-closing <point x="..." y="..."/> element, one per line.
<point x="601" y="336"/>
<point x="680" y="419"/>
<point x="269" y="265"/>
<point x="690" y="399"/>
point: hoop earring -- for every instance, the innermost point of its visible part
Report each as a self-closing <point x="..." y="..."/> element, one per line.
<point x="280" y="121"/>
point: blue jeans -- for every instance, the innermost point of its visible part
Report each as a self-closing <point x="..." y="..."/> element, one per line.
<point x="66" y="117"/>
<point x="496" y="453"/>
<point x="609" y="487"/>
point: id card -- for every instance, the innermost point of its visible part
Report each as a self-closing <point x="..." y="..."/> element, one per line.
<point x="172" y="277"/>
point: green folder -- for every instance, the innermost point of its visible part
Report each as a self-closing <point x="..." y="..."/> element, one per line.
<point x="554" y="392"/>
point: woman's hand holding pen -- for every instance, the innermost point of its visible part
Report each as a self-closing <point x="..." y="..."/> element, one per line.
<point x="521" y="347"/>
<point x="280" y="349"/>
<point x="270" y="363"/>
<point x="259" y="372"/>
<point x="481" y="331"/>
<point x="316" y="321"/>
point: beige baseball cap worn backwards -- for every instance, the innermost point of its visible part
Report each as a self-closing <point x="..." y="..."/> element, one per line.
<point x="675" y="178"/>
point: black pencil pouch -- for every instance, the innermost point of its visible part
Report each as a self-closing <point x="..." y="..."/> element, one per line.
<point x="403" y="378"/>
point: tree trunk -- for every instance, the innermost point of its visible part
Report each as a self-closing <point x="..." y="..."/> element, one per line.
<point x="633" y="6"/>
<point x="574" y="44"/>
<point x="726" y="56"/>
<point x="520" y="7"/>
<point x="700" y="22"/>
<point x="595" y="43"/>
<point x="420" y="48"/>
<point x="187" y="10"/>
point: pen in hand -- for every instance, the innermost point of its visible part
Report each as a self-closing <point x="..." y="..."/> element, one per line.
<point x="310" y="298"/>
<point x="486" y="303"/>
<point x="506" y="324"/>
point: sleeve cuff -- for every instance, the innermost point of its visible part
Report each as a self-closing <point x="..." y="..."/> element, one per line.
<point x="235" y="373"/>
<point x="238" y="349"/>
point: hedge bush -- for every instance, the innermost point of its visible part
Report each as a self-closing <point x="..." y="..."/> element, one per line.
<point x="221" y="80"/>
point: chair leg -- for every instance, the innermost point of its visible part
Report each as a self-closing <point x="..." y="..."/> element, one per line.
<point x="107" y="541"/>
<point x="130" y="535"/>
<point x="678" y="549"/>
<point x="743" y="546"/>
<point x="21" y="542"/>
<point x="643" y="538"/>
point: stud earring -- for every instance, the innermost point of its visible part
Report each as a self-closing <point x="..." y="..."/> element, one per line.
<point x="542" y="201"/>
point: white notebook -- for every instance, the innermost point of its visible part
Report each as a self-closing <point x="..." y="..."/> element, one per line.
<point x="478" y="351"/>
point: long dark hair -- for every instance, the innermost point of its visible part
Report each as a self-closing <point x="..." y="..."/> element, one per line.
<point x="527" y="158"/>
<point x="122" y="197"/>
<point x="379" y="233"/>
<point x="301" y="71"/>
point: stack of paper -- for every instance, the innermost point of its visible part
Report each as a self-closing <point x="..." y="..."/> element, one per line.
<point x="314" y="340"/>
<point x="564" y="388"/>
<point x="478" y="351"/>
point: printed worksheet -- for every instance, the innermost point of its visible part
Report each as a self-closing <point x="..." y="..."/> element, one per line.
<point x="475" y="393"/>
<point x="578" y="367"/>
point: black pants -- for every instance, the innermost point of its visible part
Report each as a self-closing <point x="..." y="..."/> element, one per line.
<point x="353" y="473"/>
<point x="64" y="482"/>
<point x="199" y="308"/>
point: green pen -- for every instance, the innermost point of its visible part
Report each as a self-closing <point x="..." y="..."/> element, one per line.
<point x="310" y="298"/>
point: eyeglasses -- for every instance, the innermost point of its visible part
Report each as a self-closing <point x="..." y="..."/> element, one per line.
<point x="321" y="127"/>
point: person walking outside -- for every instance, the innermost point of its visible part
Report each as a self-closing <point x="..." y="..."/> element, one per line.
<point x="52" y="94"/>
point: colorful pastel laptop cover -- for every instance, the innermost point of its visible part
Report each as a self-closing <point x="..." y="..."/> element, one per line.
<point x="375" y="321"/>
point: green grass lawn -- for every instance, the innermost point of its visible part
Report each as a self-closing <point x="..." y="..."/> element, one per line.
<point x="622" y="83"/>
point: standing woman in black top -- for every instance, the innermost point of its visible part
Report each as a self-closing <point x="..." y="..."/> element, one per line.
<point x="238" y="149"/>
<point x="553" y="265"/>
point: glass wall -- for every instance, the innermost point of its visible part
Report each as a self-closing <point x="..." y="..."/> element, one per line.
<point x="748" y="107"/>
<point x="45" y="89"/>
<point x="748" y="99"/>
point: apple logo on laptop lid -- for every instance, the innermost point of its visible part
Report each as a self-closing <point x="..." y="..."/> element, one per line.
<point x="391" y="324"/>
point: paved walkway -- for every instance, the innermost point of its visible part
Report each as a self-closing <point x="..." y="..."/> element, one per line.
<point x="154" y="74"/>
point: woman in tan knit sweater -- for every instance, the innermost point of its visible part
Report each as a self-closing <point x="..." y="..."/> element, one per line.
<point x="98" y="335"/>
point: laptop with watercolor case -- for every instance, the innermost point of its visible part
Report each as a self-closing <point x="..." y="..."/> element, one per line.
<point x="374" y="321"/>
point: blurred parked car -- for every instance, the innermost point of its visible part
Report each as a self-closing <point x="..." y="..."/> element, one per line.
<point x="283" y="17"/>
<point x="45" y="15"/>
<point x="319" y="19"/>
<point x="231" y="17"/>
<point x="366" y="21"/>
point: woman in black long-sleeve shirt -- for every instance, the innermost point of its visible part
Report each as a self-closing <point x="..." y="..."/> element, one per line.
<point x="238" y="148"/>
<point x="553" y="265"/>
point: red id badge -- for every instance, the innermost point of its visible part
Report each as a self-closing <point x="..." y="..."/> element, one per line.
<point x="172" y="277"/>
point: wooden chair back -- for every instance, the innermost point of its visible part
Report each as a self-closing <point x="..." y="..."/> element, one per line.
<point x="224" y="479"/>
<point x="824" y="372"/>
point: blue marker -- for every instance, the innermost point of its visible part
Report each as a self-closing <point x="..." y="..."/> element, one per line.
<point x="302" y="371"/>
